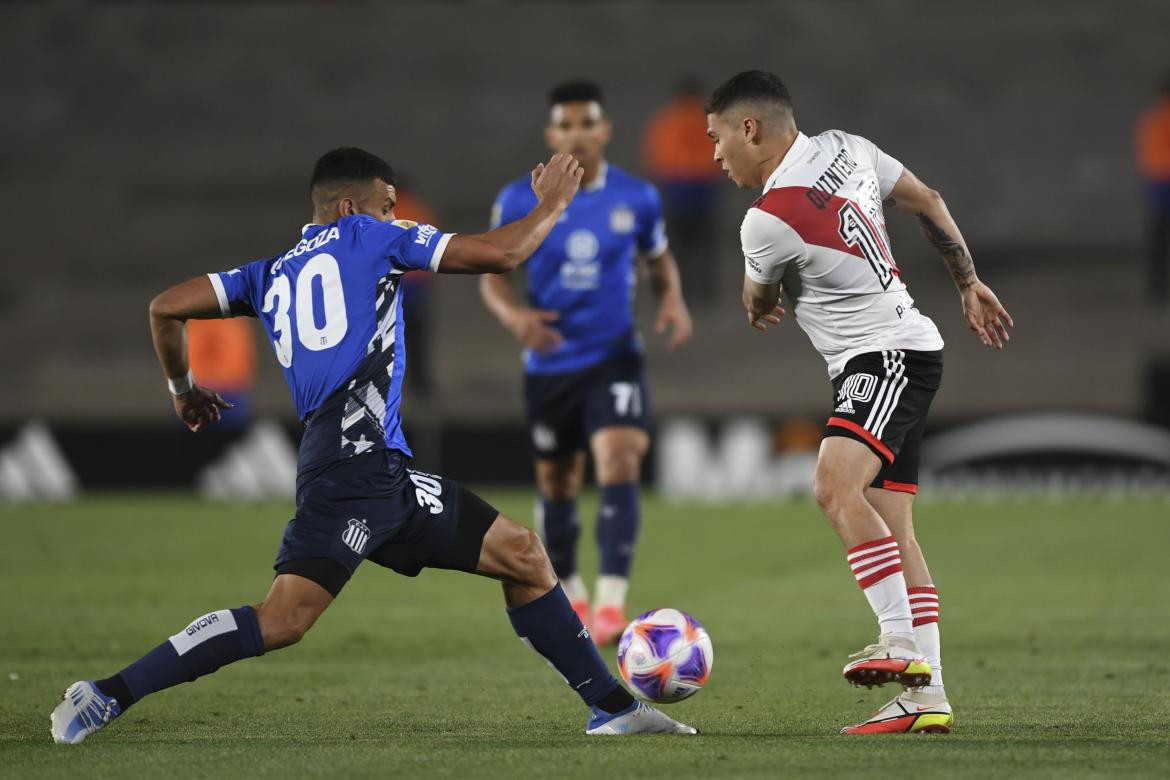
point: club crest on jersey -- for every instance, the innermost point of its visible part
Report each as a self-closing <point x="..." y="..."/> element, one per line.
<point x="355" y="535"/>
<point x="621" y="220"/>
<point x="582" y="271"/>
<point x="856" y="388"/>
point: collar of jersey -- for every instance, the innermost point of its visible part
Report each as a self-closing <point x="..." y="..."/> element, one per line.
<point x="794" y="153"/>
<point x="309" y="228"/>
<point x="598" y="184"/>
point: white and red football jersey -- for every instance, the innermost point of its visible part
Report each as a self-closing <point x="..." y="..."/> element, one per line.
<point x="819" y="229"/>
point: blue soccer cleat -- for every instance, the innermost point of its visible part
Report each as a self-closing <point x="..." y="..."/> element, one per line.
<point x="82" y="711"/>
<point x="638" y="718"/>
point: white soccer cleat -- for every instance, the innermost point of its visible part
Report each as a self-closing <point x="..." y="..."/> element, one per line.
<point x="892" y="658"/>
<point x="913" y="712"/>
<point x="638" y="718"/>
<point x="82" y="711"/>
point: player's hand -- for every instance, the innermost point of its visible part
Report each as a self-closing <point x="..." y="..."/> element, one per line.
<point x="531" y="328"/>
<point x="986" y="315"/>
<point x="199" y="407"/>
<point x="556" y="181"/>
<point x="673" y="316"/>
<point x="761" y="322"/>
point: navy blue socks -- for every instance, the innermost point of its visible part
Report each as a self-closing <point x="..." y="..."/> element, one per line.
<point x="560" y="528"/>
<point x="211" y="641"/>
<point x="551" y="628"/>
<point x="617" y="528"/>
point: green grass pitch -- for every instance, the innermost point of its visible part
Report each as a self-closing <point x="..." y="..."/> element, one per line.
<point x="1056" y="645"/>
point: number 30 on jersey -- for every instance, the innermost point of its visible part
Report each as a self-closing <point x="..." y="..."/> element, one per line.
<point x="279" y="300"/>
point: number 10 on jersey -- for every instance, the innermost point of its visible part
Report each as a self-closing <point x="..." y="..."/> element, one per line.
<point x="857" y="230"/>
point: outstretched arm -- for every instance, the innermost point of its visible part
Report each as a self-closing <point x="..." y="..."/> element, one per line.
<point x="504" y="248"/>
<point x="195" y="298"/>
<point x="982" y="310"/>
<point x="673" y="314"/>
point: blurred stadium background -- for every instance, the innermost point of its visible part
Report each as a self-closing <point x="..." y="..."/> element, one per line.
<point x="148" y="142"/>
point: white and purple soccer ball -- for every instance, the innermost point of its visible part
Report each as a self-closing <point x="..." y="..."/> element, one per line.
<point x="665" y="655"/>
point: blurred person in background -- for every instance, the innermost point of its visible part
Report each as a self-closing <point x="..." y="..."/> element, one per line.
<point x="223" y="356"/>
<point x="1152" y="139"/>
<point x="678" y="157"/>
<point x="417" y="304"/>
<point x="585" y="384"/>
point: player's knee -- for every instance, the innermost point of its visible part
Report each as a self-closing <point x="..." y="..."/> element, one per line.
<point x="823" y="491"/>
<point x="282" y="630"/>
<point x="615" y="468"/>
<point x="830" y="490"/>
<point x="558" y="484"/>
<point x="531" y="563"/>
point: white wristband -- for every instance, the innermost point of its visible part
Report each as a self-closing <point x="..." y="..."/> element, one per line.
<point x="182" y="384"/>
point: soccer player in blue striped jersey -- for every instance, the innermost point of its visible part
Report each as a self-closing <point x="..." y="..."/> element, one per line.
<point x="585" y="386"/>
<point x="331" y="307"/>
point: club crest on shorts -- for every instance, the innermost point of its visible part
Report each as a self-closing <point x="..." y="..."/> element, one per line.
<point x="355" y="535"/>
<point x="856" y="387"/>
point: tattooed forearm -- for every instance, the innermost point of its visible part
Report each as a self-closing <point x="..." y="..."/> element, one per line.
<point x="958" y="262"/>
<point x="889" y="202"/>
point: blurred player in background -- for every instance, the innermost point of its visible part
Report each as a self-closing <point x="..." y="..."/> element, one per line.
<point x="585" y="384"/>
<point x="677" y="156"/>
<point x="222" y="353"/>
<point x="1152" y="141"/>
<point x="331" y="307"/>
<point x="818" y="232"/>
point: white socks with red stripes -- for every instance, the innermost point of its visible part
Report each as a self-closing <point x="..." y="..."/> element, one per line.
<point x="924" y="608"/>
<point x="877" y="565"/>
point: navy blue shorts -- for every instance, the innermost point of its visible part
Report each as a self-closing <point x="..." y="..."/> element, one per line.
<point x="564" y="410"/>
<point x="372" y="507"/>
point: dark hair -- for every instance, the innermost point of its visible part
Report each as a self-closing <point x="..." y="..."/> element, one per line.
<point x="350" y="164"/>
<point x="749" y="85"/>
<point x="576" y="91"/>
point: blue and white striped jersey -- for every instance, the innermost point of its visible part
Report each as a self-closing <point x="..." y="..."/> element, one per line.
<point x="332" y="307"/>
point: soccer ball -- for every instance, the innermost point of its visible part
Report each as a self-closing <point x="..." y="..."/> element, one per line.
<point x="665" y="655"/>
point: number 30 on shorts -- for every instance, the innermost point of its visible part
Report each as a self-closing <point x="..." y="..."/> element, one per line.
<point x="427" y="491"/>
<point x="627" y="398"/>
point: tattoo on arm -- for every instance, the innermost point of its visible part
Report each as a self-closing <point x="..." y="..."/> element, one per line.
<point x="889" y="202"/>
<point x="958" y="262"/>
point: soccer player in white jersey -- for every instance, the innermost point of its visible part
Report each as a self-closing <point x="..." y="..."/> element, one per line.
<point x="818" y="234"/>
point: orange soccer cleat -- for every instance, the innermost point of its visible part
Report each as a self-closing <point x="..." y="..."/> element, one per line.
<point x="913" y="712"/>
<point x="891" y="659"/>
<point x="608" y="625"/>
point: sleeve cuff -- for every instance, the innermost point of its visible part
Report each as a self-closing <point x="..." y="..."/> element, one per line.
<point x="440" y="248"/>
<point x="225" y="309"/>
<point x="658" y="251"/>
<point x="887" y="186"/>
